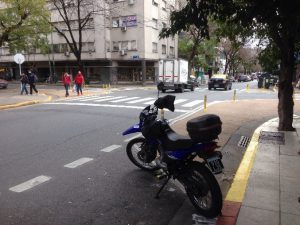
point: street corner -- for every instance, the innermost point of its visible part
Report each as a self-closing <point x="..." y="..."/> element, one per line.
<point x="17" y="101"/>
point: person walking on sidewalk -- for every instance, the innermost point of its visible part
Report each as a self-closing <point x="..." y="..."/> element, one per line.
<point x="79" y="80"/>
<point x="66" y="79"/>
<point x="32" y="80"/>
<point x="24" y="82"/>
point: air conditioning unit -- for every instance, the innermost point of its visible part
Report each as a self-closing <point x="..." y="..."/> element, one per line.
<point x="130" y="2"/>
<point x="122" y="52"/>
<point x="67" y="53"/>
<point x="123" y="28"/>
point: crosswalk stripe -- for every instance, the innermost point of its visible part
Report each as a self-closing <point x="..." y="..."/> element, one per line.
<point x="177" y="101"/>
<point x="140" y="100"/>
<point x="107" y="99"/>
<point x="149" y="103"/>
<point x="124" y="100"/>
<point x="193" y="103"/>
<point x="110" y="148"/>
<point x="78" y="162"/>
<point x="94" y="98"/>
<point x="30" y="184"/>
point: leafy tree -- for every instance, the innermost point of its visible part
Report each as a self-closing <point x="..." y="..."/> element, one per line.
<point x="24" y="24"/>
<point x="277" y="20"/>
<point x="76" y="16"/>
<point x="269" y="58"/>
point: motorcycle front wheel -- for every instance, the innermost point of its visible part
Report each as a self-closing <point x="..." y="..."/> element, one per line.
<point x="203" y="190"/>
<point x="138" y="153"/>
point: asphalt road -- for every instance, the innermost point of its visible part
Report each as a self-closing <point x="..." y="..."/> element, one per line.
<point x="64" y="162"/>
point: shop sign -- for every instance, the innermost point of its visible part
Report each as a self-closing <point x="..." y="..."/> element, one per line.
<point x="129" y="21"/>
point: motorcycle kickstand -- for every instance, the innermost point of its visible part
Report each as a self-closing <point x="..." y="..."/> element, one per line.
<point x="162" y="187"/>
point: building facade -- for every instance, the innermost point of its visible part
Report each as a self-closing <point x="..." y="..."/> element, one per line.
<point x="120" y="43"/>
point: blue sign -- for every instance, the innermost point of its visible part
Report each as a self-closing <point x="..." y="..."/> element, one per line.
<point x="135" y="56"/>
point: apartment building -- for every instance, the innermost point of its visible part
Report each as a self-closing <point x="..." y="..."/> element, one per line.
<point x="121" y="44"/>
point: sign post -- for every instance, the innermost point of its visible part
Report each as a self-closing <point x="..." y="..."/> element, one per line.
<point x="19" y="59"/>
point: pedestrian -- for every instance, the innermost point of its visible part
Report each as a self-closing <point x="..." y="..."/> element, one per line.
<point x="66" y="79"/>
<point x="79" y="80"/>
<point x="24" y="82"/>
<point x="32" y="78"/>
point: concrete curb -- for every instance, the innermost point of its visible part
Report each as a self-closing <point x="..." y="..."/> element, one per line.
<point x="16" y="105"/>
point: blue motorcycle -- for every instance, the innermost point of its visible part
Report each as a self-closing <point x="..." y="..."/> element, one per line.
<point x="162" y="148"/>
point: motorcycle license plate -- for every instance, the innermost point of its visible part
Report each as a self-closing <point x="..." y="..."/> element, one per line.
<point x="215" y="164"/>
<point x="216" y="85"/>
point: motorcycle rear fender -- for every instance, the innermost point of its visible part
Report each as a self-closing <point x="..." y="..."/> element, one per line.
<point x="134" y="129"/>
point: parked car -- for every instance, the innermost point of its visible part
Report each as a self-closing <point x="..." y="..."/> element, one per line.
<point x="244" y="78"/>
<point x="195" y="81"/>
<point x="3" y="83"/>
<point x="220" y="81"/>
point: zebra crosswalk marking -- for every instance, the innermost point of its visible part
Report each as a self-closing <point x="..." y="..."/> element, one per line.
<point x="94" y="98"/>
<point x="139" y="100"/>
<point x="179" y="101"/>
<point x="107" y="99"/>
<point x="124" y="100"/>
<point x="193" y="103"/>
<point x="149" y="103"/>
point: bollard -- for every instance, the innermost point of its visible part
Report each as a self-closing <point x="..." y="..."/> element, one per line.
<point x="162" y="114"/>
<point x="205" y="100"/>
<point x="234" y="95"/>
<point x="247" y="87"/>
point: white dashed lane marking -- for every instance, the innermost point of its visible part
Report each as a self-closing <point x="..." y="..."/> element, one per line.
<point x="179" y="101"/>
<point x="94" y="98"/>
<point x="78" y="162"/>
<point x="30" y="184"/>
<point x="110" y="148"/>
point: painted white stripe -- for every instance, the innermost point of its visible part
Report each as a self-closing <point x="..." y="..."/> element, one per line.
<point x="140" y="100"/>
<point x="110" y="148"/>
<point x="94" y="98"/>
<point x="179" y="101"/>
<point x="193" y="103"/>
<point x="103" y="105"/>
<point x="73" y="98"/>
<point x="107" y="99"/>
<point x="78" y="162"/>
<point x="149" y="103"/>
<point x="125" y="99"/>
<point x="129" y="139"/>
<point x="30" y="184"/>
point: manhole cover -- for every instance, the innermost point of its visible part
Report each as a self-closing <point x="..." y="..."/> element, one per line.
<point x="269" y="137"/>
<point x="244" y="141"/>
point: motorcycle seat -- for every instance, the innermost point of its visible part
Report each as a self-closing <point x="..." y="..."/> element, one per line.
<point x="174" y="141"/>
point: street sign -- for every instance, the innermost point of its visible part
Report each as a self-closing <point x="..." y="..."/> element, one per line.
<point x="19" y="58"/>
<point x="136" y="57"/>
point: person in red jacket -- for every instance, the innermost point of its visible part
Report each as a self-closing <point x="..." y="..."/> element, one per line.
<point x="66" y="79"/>
<point x="79" y="80"/>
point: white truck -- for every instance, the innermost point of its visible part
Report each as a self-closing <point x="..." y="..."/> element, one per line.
<point x="173" y="75"/>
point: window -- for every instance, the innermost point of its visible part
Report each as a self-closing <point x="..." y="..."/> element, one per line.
<point x="164" y="5"/>
<point x="115" y="22"/>
<point x="154" y="2"/>
<point x="154" y="47"/>
<point x="88" y="47"/>
<point x="164" y="49"/>
<point x="115" y="46"/>
<point x="124" y="45"/>
<point x="164" y="25"/>
<point x="172" y="51"/>
<point x="133" y="45"/>
<point x="154" y="23"/>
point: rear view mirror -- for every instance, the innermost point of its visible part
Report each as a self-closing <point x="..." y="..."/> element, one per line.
<point x="166" y="102"/>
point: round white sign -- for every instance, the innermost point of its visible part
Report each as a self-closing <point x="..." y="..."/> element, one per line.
<point x="19" y="58"/>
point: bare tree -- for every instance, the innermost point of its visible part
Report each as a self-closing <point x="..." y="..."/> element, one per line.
<point x="76" y="15"/>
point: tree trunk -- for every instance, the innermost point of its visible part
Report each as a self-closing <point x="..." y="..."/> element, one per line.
<point x="285" y="90"/>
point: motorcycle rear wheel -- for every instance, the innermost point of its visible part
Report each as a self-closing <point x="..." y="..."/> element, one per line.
<point x="136" y="155"/>
<point x="203" y="190"/>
